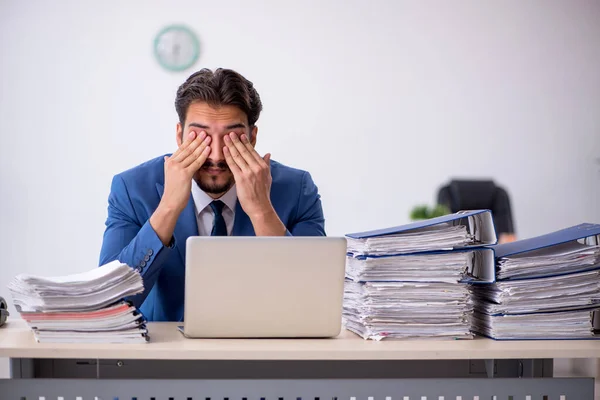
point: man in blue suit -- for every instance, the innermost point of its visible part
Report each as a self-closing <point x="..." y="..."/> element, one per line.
<point x="214" y="184"/>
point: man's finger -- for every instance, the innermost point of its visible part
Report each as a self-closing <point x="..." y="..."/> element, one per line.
<point x="231" y="163"/>
<point x="235" y="154"/>
<point x="198" y="152"/>
<point x="188" y="139"/>
<point x="241" y="148"/>
<point x="188" y="147"/>
<point x="267" y="159"/>
<point x="191" y="136"/>
<point x="198" y="162"/>
<point x="251" y="149"/>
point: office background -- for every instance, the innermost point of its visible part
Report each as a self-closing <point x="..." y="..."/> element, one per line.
<point x="382" y="101"/>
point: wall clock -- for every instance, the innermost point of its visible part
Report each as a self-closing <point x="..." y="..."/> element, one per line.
<point x="176" y="48"/>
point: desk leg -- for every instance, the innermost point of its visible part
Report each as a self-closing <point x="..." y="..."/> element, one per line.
<point x="22" y="368"/>
<point x="543" y="368"/>
<point x="490" y="367"/>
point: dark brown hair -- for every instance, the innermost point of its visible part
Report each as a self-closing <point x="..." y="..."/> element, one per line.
<point x="218" y="88"/>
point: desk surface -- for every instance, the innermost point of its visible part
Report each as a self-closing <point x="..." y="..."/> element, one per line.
<point x="16" y="341"/>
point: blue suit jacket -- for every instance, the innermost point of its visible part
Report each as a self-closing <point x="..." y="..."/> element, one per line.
<point x="129" y="238"/>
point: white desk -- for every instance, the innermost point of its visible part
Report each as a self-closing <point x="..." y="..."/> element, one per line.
<point x="166" y="343"/>
<point x="235" y="362"/>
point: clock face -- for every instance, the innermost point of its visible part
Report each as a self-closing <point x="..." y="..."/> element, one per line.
<point x="176" y="48"/>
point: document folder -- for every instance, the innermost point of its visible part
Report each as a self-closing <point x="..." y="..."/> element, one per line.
<point x="570" y="250"/>
<point x="582" y="323"/>
<point x="453" y="231"/>
<point x="459" y="266"/>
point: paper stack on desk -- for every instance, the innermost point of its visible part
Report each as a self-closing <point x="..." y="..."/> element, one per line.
<point x="407" y="310"/>
<point x="82" y="308"/>
<point x="557" y="259"/>
<point x="548" y="287"/>
<point x="399" y="285"/>
<point x="436" y="266"/>
<point x="453" y="231"/>
<point x="439" y="237"/>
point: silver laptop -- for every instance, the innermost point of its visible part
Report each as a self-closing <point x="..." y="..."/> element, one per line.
<point x="253" y="287"/>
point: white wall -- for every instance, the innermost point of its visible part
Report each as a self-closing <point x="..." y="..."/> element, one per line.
<point x="382" y="101"/>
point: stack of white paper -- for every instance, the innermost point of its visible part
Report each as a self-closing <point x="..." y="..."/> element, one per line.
<point x="85" y="307"/>
<point x="563" y="258"/>
<point x="574" y="324"/>
<point x="402" y="286"/>
<point x="443" y="236"/>
<point x="404" y="310"/>
<point x="548" y="293"/>
<point x="449" y="267"/>
<point x="539" y="295"/>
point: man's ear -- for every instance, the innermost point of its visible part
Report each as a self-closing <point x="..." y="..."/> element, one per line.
<point x="253" y="134"/>
<point x="179" y="134"/>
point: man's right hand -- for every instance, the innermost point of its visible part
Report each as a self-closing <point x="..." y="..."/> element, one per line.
<point x="180" y="169"/>
<point x="179" y="172"/>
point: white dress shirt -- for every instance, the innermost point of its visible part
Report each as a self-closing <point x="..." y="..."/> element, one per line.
<point x="204" y="213"/>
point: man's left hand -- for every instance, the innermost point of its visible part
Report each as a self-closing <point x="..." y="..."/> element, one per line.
<point x="252" y="174"/>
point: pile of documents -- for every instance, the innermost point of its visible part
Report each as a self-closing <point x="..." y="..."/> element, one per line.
<point x="462" y="229"/>
<point x="559" y="259"/>
<point x="548" y="287"/>
<point x="437" y="266"/>
<point x="82" y="308"/>
<point x="410" y="281"/>
<point x="405" y="310"/>
<point x="441" y="237"/>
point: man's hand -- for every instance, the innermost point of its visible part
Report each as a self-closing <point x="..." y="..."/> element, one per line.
<point x="180" y="169"/>
<point x="179" y="172"/>
<point x="253" y="179"/>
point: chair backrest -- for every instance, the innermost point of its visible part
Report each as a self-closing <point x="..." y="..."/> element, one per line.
<point x="479" y="194"/>
<point x="3" y="311"/>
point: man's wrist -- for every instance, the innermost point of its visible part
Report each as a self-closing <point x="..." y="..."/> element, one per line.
<point x="266" y="213"/>
<point x="267" y="223"/>
<point x="163" y="222"/>
<point x="166" y="210"/>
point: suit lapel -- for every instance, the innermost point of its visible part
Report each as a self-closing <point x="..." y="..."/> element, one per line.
<point x="242" y="226"/>
<point x="186" y="226"/>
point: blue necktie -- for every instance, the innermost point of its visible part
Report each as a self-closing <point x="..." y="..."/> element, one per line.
<point x="219" y="227"/>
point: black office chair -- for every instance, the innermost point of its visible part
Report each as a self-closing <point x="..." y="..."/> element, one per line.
<point x="479" y="194"/>
<point x="3" y="311"/>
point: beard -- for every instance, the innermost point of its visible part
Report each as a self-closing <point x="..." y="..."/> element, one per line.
<point x="209" y="183"/>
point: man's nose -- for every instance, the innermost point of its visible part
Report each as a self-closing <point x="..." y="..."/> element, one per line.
<point x="216" y="149"/>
